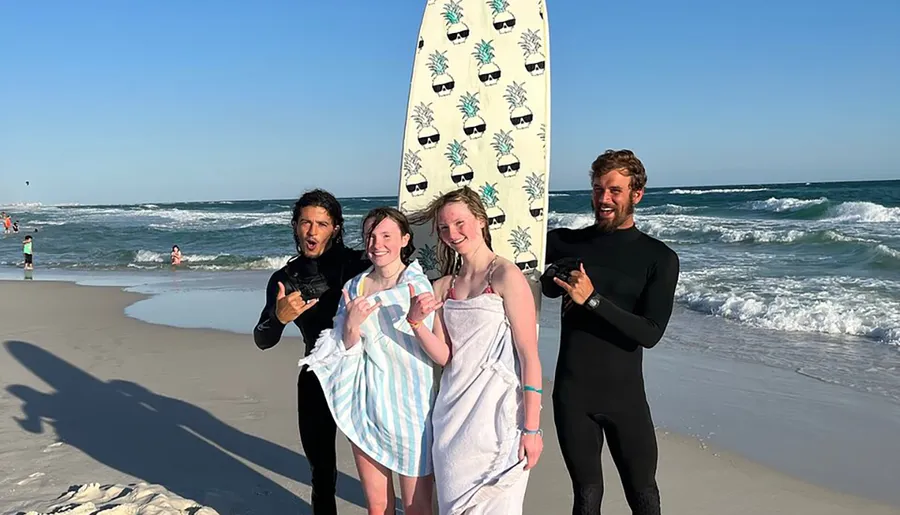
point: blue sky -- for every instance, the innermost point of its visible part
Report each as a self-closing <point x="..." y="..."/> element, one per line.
<point x="111" y="101"/>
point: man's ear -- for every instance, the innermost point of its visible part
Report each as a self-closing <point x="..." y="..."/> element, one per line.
<point x="636" y="196"/>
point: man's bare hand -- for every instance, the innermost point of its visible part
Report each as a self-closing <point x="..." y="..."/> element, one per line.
<point x="579" y="287"/>
<point x="289" y="307"/>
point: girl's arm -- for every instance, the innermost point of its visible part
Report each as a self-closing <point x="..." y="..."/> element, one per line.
<point x="434" y="342"/>
<point x="518" y="302"/>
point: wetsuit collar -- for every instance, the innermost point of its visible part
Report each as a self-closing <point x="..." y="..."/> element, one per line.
<point x="619" y="234"/>
<point x="310" y="266"/>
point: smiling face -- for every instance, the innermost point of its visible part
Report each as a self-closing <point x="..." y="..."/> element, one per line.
<point x="613" y="201"/>
<point x="384" y="242"/>
<point x="460" y="229"/>
<point x="314" y="229"/>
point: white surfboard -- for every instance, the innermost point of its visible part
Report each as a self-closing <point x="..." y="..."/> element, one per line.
<point x="479" y="116"/>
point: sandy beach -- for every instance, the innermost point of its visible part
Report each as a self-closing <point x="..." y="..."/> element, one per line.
<point x="89" y="395"/>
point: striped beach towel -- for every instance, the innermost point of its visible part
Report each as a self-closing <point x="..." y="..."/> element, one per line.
<point x="381" y="391"/>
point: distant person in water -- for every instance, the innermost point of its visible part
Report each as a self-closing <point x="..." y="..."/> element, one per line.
<point x="306" y="292"/>
<point x="29" y="253"/>
<point x="15" y="226"/>
<point x="176" y="255"/>
<point x="618" y="286"/>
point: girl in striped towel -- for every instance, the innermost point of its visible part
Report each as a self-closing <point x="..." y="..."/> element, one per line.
<point x="378" y="381"/>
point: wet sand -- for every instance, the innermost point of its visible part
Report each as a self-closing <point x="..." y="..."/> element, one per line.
<point x="88" y="394"/>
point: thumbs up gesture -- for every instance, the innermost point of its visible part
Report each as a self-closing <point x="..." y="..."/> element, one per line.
<point x="421" y="305"/>
<point x="289" y="307"/>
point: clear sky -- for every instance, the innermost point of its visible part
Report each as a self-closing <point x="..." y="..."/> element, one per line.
<point x="139" y="101"/>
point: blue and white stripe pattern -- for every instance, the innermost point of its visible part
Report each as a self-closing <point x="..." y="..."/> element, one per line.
<point x="381" y="391"/>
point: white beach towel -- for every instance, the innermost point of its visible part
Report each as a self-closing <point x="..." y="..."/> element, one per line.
<point x="479" y="413"/>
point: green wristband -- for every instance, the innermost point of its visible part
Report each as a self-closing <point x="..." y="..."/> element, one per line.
<point x="532" y="389"/>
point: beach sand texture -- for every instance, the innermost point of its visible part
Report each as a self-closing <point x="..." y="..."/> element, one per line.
<point x="88" y="395"/>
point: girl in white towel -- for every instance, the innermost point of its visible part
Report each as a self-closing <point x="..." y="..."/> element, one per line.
<point x="378" y="381"/>
<point x="487" y="414"/>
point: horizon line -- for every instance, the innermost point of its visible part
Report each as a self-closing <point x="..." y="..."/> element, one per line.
<point x="345" y="197"/>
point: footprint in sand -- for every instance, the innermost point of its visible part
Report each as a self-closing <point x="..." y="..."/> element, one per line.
<point x="30" y="478"/>
<point x="52" y="446"/>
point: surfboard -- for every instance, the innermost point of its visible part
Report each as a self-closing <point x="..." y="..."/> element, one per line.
<point x="478" y="115"/>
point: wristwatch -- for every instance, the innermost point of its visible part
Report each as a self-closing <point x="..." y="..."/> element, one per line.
<point x="593" y="301"/>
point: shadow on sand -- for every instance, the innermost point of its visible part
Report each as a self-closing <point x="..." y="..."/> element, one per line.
<point x="162" y="440"/>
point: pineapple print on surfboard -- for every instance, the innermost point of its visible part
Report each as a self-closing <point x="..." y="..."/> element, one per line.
<point x="478" y="115"/>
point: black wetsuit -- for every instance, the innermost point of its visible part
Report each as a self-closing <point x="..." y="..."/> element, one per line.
<point x="322" y="278"/>
<point x="599" y="383"/>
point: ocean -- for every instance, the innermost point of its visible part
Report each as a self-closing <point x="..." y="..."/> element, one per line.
<point x="799" y="276"/>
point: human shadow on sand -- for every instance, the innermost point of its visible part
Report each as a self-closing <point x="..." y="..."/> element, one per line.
<point x="162" y="440"/>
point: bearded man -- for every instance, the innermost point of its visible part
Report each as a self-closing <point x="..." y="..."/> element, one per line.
<point x="619" y="287"/>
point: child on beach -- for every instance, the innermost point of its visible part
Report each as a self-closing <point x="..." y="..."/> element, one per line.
<point x="486" y="417"/>
<point x="378" y="381"/>
<point x="29" y="259"/>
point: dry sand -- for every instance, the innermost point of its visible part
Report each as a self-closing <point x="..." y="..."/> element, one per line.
<point x="88" y="395"/>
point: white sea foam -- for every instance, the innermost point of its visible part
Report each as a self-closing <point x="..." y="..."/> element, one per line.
<point x="269" y="263"/>
<point x="833" y="305"/>
<point x="570" y="220"/>
<point x="864" y="212"/>
<point x="150" y="215"/>
<point x="715" y="190"/>
<point x="699" y="229"/>
<point x="886" y="251"/>
<point x="20" y="206"/>
<point x="667" y="209"/>
<point x="779" y="205"/>
<point x="143" y="258"/>
<point x="147" y="256"/>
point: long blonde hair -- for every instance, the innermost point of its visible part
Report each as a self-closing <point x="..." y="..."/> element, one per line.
<point x="449" y="259"/>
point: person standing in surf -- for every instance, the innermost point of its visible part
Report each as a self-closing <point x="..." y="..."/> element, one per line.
<point x="619" y="287"/>
<point x="486" y="418"/>
<point x="306" y="292"/>
<point x="176" y="256"/>
<point x="378" y="381"/>
<point x="28" y="251"/>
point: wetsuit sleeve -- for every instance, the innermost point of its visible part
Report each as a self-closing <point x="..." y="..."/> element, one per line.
<point x="269" y="329"/>
<point x="647" y="324"/>
<point x="549" y="288"/>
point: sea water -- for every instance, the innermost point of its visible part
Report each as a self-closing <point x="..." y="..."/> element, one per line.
<point x="799" y="276"/>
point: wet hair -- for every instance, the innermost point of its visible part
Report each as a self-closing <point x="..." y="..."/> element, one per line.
<point x="448" y="258"/>
<point x="623" y="161"/>
<point x="378" y="215"/>
<point x="325" y="200"/>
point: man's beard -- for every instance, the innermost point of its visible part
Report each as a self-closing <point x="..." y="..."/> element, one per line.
<point x="622" y="214"/>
